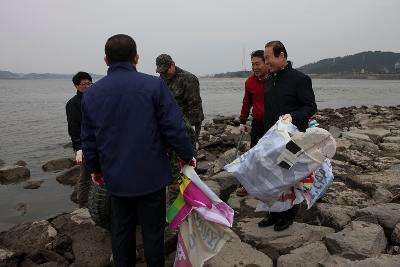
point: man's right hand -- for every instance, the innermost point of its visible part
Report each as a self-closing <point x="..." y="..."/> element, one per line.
<point x="78" y="157"/>
<point x="244" y="128"/>
<point x="98" y="179"/>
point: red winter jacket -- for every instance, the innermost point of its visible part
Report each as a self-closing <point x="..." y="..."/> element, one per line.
<point x="253" y="97"/>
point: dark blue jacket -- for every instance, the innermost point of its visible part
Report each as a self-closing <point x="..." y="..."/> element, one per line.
<point x="128" y="118"/>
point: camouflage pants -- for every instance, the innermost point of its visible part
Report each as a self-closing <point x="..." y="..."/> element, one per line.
<point x="173" y="188"/>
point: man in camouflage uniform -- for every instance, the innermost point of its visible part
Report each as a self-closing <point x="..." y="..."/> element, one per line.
<point x="186" y="89"/>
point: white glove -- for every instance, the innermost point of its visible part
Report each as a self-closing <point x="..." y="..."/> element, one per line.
<point x="243" y="128"/>
<point x="287" y="118"/>
<point x="78" y="157"/>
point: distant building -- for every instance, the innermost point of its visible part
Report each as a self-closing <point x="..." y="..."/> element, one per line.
<point x="397" y="67"/>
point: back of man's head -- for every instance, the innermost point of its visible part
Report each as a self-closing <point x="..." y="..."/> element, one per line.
<point x="80" y="76"/>
<point x="120" y="48"/>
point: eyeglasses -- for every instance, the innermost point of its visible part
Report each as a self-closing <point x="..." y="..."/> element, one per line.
<point x="86" y="84"/>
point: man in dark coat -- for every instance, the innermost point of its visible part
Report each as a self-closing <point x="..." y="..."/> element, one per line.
<point x="288" y="94"/>
<point x="82" y="81"/>
<point x="128" y="118"/>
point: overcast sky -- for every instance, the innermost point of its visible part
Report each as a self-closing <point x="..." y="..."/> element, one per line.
<point x="202" y="36"/>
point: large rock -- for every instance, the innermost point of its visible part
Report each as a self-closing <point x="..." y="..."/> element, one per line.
<point x="340" y="194"/>
<point x="335" y="216"/>
<point x="359" y="240"/>
<point x="11" y="174"/>
<point x="275" y="243"/>
<point x="58" y="164"/>
<point x="203" y="166"/>
<point x="353" y="136"/>
<point x="382" y="195"/>
<point x="203" y="154"/>
<point x="388" y="179"/>
<point x="237" y="253"/>
<point x="335" y="131"/>
<point x="360" y="141"/>
<point x="376" y="134"/>
<point x="70" y="176"/>
<point x="91" y="245"/>
<point x="28" y="237"/>
<point x="383" y="260"/>
<point x="395" y="237"/>
<point x="390" y="147"/>
<point x="214" y="186"/>
<point x="391" y="139"/>
<point x="307" y="256"/>
<point x="10" y="258"/>
<point x="227" y="181"/>
<point x="387" y="215"/>
<point x="33" y="184"/>
<point x="227" y="157"/>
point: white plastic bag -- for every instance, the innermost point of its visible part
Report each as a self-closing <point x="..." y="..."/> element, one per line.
<point x="258" y="170"/>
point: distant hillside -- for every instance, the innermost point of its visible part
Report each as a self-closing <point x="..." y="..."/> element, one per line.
<point x="233" y="74"/>
<point x="38" y="76"/>
<point x="362" y="63"/>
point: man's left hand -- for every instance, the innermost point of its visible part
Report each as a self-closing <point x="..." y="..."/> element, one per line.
<point x="287" y="118"/>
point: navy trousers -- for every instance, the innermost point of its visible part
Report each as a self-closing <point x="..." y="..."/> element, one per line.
<point x="148" y="211"/>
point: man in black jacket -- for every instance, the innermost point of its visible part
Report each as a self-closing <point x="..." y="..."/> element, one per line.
<point x="82" y="81"/>
<point x="288" y="94"/>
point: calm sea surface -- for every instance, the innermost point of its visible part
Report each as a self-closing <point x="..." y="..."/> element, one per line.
<point x="33" y="128"/>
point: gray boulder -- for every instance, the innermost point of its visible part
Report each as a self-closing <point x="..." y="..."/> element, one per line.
<point x="33" y="184"/>
<point x="91" y="245"/>
<point x="391" y="139"/>
<point x="70" y="176"/>
<point x="390" y="147"/>
<point x="335" y="216"/>
<point x="359" y="240"/>
<point x="376" y="134"/>
<point x="387" y="215"/>
<point x="395" y="237"/>
<point x="21" y="163"/>
<point x="28" y="237"/>
<point x="275" y="243"/>
<point x="11" y="174"/>
<point x="335" y="131"/>
<point x="227" y="157"/>
<point x="9" y="258"/>
<point x="383" y="260"/>
<point x="388" y="179"/>
<point x="203" y="166"/>
<point x="237" y="253"/>
<point x="58" y="164"/>
<point x="306" y="256"/>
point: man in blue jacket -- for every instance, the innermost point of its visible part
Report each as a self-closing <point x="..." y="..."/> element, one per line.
<point x="128" y="118"/>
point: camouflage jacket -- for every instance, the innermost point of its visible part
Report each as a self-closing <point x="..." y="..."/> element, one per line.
<point x="186" y="89"/>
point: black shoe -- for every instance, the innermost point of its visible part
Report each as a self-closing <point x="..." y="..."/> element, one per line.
<point x="282" y="224"/>
<point x="267" y="221"/>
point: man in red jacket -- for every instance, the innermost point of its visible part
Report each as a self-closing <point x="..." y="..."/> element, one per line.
<point x="254" y="99"/>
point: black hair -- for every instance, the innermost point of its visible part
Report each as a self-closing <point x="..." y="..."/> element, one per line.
<point x="120" y="48"/>
<point x="277" y="48"/>
<point x="258" y="53"/>
<point x="80" y="76"/>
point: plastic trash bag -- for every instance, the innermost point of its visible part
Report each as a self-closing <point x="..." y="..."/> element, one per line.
<point x="281" y="159"/>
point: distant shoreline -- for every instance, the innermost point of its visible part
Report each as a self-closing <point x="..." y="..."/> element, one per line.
<point x="359" y="76"/>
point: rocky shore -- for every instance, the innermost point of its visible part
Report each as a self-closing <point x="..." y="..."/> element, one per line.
<point x="356" y="223"/>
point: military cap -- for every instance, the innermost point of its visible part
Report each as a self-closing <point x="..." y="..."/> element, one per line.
<point x="163" y="63"/>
